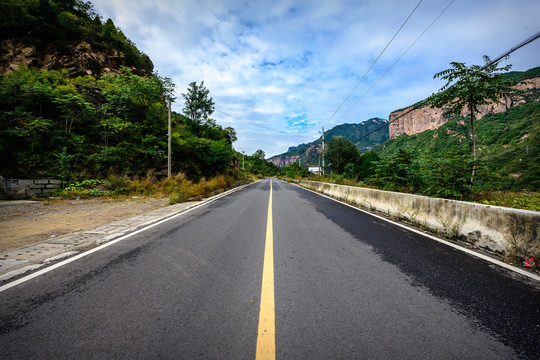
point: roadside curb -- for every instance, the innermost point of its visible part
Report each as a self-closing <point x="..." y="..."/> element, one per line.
<point x="19" y="262"/>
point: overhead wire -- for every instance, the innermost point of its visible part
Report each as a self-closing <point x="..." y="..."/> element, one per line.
<point x="521" y="44"/>
<point x="397" y="60"/>
<point x="423" y="102"/>
<point x="373" y="64"/>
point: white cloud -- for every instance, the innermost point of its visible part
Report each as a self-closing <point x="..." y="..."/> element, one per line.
<point x="270" y="61"/>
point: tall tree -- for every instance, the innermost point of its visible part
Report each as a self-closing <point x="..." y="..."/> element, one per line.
<point x="198" y="105"/>
<point x="468" y="88"/>
<point x="340" y="152"/>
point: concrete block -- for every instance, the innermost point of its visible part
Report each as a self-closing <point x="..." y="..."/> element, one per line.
<point x="23" y="183"/>
<point x="41" y="181"/>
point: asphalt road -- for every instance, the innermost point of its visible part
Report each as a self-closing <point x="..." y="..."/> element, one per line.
<point x="347" y="286"/>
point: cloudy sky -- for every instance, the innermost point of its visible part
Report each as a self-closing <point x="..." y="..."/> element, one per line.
<point x="280" y="70"/>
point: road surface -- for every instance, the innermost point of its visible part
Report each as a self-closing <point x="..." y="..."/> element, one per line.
<point x="315" y="278"/>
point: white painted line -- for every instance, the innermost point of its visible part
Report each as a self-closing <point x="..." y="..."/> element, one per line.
<point x="86" y="253"/>
<point x="468" y="251"/>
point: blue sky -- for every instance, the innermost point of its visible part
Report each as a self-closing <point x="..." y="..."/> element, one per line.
<point x="287" y="66"/>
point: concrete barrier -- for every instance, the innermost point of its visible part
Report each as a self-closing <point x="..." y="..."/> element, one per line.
<point x="26" y="188"/>
<point x="498" y="229"/>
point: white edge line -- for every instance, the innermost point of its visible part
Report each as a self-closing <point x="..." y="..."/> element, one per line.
<point x="468" y="251"/>
<point x="107" y="244"/>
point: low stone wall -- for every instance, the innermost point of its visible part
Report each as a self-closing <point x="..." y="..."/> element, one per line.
<point x="28" y="188"/>
<point x="499" y="229"/>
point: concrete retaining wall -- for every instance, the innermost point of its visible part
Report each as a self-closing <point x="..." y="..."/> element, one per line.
<point x="499" y="229"/>
<point x="26" y="188"/>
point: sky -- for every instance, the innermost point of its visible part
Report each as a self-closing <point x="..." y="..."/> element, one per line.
<point x="278" y="71"/>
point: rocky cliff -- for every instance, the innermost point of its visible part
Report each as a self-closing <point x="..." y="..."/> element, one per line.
<point x="428" y="118"/>
<point x="81" y="59"/>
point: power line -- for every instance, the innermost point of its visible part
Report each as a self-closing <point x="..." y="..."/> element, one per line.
<point x="521" y="44"/>
<point x="377" y="59"/>
<point x="398" y="59"/>
<point x="423" y="102"/>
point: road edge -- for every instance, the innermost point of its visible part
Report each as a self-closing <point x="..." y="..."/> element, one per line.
<point x="125" y="234"/>
<point x="433" y="237"/>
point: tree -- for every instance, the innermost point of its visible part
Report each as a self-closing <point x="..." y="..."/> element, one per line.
<point x="198" y="105"/>
<point x="366" y="164"/>
<point x="340" y="152"/>
<point x="399" y="172"/>
<point x="468" y="88"/>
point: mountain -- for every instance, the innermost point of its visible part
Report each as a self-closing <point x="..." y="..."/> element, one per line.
<point x="79" y="101"/>
<point x="64" y="34"/>
<point x="405" y="121"/>
<point x="508" y="146"/>
<point x="309" y="153"/>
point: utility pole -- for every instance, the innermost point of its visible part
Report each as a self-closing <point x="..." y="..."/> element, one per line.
<point x="323" y="150"/>
<point x="243" y="162"/>
<point x="169" y="143"/>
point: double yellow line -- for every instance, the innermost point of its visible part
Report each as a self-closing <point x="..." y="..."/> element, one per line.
<point x="266" y="340"/>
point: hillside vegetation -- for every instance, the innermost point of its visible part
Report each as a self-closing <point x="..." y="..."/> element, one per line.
<point x="508" y="147"/>
<point x="357" y="133"/>
<point x="113" y="124"/>
<point x="57" y="26"/>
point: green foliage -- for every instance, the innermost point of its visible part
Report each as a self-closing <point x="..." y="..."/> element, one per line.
<point x="340" y="152"/>
<point x="366" y="165"/>
<point x="447" y="177"/>
<point x="256" y="164"/>
<point x="399" y="172"/>
<point x="62" y="24"/>
<point x="116" y="124"/>
<point x="521" y="200"/>
<point x="198" y="105"/>
<point x="405" y="171"/>
<point x="469" y="88"/>
<point x="502" y="139"/>
<point x="294" y="171"/>
<point x="357" y="133"/>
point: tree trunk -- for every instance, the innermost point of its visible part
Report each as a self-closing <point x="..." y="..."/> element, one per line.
<point x="474" y="149"/>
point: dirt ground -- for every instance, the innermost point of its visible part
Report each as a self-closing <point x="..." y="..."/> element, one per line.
<point x="23" y="224"/>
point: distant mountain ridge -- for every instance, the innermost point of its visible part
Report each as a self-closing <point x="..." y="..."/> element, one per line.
<point x="309" y="153"/>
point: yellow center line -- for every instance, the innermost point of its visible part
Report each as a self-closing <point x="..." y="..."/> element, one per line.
<point x="266" y="340"/>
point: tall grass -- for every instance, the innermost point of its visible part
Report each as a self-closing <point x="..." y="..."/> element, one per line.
<point x="177" y="188"/>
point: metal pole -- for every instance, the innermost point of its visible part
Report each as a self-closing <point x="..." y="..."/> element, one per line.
<point x="323" y="150"/>
<point x="243" y="162"/>
<point x="169" y="143"/>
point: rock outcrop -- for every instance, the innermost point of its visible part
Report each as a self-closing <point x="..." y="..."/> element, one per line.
<point x="81" y="59"/>
<point x="428" y="118"/>
<point x="282" y="161"/>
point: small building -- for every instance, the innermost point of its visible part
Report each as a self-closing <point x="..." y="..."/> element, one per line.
<point x="315" y="169"/>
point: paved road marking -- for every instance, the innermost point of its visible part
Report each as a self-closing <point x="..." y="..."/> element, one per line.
<point x="266" y="340"/>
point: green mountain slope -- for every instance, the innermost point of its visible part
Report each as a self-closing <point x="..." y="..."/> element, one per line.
<point x="508" y="145"/>
<point x="64" y="34"/>
<point x="81" y="114"/>
<point x="309" y="153"/>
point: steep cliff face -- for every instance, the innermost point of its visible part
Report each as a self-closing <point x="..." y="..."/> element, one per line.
<point x="428" y="118"/>
<point x="80" y="60"/>
<point x="282" y="161"/>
